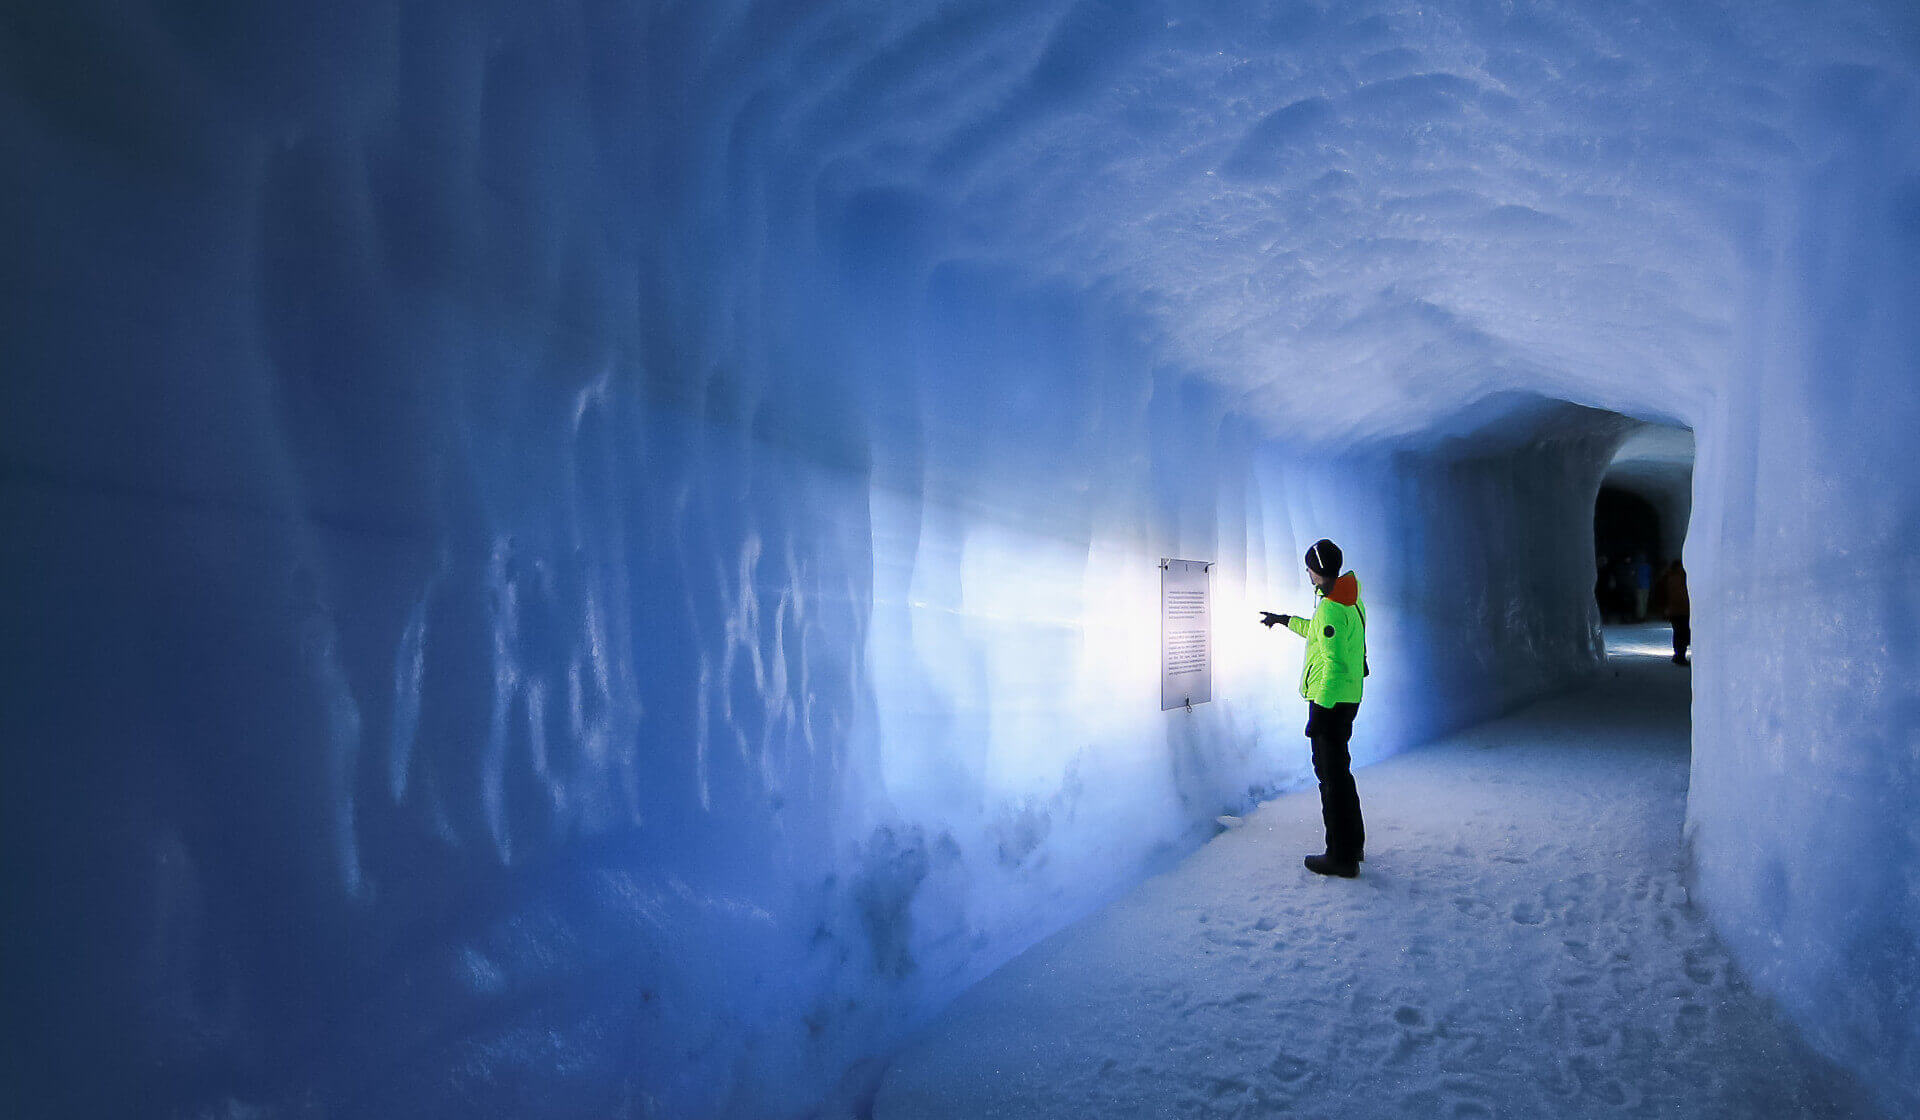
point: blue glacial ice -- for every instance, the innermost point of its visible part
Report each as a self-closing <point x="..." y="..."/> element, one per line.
<point x="600" y="559"/>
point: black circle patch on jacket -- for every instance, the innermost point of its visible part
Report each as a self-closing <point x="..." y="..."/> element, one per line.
<point x="1329" y="631"/>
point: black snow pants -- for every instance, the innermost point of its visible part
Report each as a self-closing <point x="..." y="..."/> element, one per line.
<point x="1682" y="636"/>
<point x="1329" y="730"/>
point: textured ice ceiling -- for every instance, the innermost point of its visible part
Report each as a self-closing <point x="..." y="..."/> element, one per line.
<point x="1354" y="216"/>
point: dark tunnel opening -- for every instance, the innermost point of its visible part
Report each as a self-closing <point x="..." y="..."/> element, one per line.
<point x="1626" y="538"/>
<point x="1640" y="520"/>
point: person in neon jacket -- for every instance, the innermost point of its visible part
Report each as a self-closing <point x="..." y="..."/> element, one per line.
<point x="1331" y="683"/>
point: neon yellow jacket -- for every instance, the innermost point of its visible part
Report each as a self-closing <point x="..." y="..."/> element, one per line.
<point x="1336" y="644"/>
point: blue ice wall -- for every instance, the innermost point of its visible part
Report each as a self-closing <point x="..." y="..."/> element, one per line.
<point x="1806" y="759"/>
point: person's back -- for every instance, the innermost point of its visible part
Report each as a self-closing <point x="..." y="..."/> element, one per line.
<point x="1673" y="591"/>
<point x="1641" y="579"/>
<point x="1679" y="610"/>
<point x="1336" y="635"/>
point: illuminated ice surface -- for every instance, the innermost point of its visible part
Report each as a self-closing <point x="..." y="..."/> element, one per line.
<point x="1519" y="943"/>
<point x="596" y="558"/>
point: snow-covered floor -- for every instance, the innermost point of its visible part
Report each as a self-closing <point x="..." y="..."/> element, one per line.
<point x="1519" y="944"/>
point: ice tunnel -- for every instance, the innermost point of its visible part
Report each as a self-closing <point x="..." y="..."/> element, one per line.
<point x="599" y="558"/>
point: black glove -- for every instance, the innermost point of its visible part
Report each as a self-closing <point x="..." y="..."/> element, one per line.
<point x="1269" y="620"/>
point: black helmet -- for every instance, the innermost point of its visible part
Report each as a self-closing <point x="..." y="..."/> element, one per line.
<point x="1324" y="558"/>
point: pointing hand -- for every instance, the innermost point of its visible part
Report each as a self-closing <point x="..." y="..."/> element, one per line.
<point x="1269" y="620"/>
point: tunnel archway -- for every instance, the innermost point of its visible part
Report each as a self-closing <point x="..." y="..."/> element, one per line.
<point x="1625" y="522"/>
<point x="1626" y="534"/>
<point x="1640" y="520"/>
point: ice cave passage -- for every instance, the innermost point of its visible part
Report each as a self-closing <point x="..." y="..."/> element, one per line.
<point x="602" y="557"/>
<point x="1520" y="945"/>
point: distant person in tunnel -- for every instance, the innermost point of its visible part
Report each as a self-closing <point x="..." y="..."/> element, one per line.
<point x="1615" y="600"/>
<point x="1331" y="684"/>
<point x="1678" y="609"/>
<point x="1642" y="582"/>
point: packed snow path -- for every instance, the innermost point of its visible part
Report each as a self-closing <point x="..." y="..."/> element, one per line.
<point x="1518" y="944"/>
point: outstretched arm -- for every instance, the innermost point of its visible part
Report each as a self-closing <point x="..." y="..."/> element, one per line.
<point x="1292" y="622"/>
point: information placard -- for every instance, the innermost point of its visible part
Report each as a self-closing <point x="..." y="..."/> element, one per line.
<point x="1186" y="633"/>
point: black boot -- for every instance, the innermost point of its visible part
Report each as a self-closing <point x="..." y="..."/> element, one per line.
<point x="1333" y="865"/>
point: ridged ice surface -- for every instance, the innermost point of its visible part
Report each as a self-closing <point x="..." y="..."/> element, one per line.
<point x="1429" y="202"/>
<point x="600" y="558"/>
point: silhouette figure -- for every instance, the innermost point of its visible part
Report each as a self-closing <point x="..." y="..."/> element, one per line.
<point x="1678" y="609"/>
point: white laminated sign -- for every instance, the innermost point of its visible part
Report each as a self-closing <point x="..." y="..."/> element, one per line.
<point x="1186" y="633"/>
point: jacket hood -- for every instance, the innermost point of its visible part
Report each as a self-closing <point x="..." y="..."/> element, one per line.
<point x="1345" y="590"/>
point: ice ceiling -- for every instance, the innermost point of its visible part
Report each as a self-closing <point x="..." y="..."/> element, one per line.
<point x="1361" y="213"/>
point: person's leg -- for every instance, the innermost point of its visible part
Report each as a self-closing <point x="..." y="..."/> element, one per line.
<point x="1330" y="730"/>
<point x="1682" y="638"/>
<point x="1355" y="838"/>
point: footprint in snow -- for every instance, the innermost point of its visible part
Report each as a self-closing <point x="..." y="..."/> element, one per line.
<point x="1468" y="1099"/>
<point x="1609" y="1091"/>
<point x="1690" y="1021"/>
<point x="1582" y="953"/>
<point x="1561" y="893"/>
<point x="1288" y="1068"/>
<point x="1472" y="907"/>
